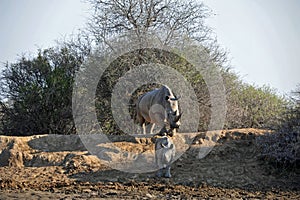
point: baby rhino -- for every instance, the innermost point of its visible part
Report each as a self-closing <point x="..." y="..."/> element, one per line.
<point x="164" y="154"/>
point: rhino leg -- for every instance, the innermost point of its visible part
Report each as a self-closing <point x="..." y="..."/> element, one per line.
<point x="168" y="172"/>
<point x="163" y="131"/>
<point x="152" y="128"/>
<point x="159" y="173"/>
<point x="144" y="128"/>
<point x="142" y="122"/>
<point x="171" y="132"/>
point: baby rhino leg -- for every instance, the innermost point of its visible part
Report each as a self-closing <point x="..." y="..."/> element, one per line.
<point x="159" y="173"/>
<point x="168" y="172"/>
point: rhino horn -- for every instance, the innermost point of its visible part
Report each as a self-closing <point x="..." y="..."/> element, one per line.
<point x="175" y="98"/>
<point x="178" y="117"/>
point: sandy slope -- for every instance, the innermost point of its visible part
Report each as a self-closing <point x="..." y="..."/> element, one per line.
<point x="56" y="166"/>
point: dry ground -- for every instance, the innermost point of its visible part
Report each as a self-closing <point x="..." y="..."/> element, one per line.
<point x="59" y="167"/>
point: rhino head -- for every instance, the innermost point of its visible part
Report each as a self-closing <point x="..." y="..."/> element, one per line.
<point x="173" y="119"/>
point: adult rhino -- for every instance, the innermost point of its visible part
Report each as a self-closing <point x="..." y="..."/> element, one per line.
<point x="160" y="107"/>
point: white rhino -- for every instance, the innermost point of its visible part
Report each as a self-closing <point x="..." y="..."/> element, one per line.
<point x="159" y="106"/>
<point x="164" y="155"/>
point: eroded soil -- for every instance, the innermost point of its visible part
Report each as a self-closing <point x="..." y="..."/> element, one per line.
<point x="60" y="167"/>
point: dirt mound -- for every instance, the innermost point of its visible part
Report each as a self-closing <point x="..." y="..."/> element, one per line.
<point x="60" y="166"/>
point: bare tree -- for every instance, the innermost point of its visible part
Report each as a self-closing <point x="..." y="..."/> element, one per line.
<point x="169" y="19"/>
<point x="171" y="23"/>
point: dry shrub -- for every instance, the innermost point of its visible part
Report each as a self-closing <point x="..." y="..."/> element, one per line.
<point x="282" y="148"/>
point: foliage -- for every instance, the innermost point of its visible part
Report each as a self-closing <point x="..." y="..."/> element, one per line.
<point x="282" y="147"/>
<point x="121" y="65"/>
<point x="169" y="22"/>
<point x="38" y="93"/>
<point x="251" y="107"/>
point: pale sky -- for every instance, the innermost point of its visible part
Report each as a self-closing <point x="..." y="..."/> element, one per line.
<point x="262" y="36"/>
<point x="27" y="25"/>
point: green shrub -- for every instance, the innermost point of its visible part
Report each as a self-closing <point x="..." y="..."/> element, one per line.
<point x="126" y="62"/>
<point x="37" y="93"/>
<point x="251" y="107"/>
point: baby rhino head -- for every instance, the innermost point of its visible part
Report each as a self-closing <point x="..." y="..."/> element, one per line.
<point x="166" y="142"/>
